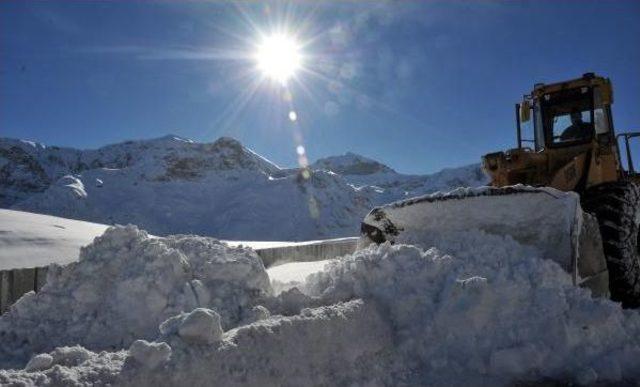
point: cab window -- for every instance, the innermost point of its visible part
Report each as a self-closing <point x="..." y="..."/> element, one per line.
<point x="567" y="116"/>
<point x="573" y="126"/>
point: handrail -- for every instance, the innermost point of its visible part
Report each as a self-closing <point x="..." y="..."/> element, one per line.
<point x="627" y="136"/>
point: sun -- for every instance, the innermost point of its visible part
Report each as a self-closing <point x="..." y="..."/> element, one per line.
<point x="278" y="57"/>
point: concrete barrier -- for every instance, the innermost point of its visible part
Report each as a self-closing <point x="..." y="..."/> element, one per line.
<point x="304" y="252"/>
<point x="5" y="290"/>
<point x="16" y="282"/>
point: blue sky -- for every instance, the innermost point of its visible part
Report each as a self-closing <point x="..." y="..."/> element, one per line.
<point x="417" y="85"/>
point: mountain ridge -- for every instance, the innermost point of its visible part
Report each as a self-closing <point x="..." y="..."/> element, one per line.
<point x="224" y="189"/>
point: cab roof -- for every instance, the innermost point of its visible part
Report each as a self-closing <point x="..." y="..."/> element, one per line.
<point x="587" y="79"/>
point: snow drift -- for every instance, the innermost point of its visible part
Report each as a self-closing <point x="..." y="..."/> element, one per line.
<point x="474" y="309"/>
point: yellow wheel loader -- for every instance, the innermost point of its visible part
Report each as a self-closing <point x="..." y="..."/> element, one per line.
<point x="565" y="193"/>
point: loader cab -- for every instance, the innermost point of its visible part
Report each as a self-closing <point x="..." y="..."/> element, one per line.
<point x="568" y="114"/>
<point x="569" y="142"/>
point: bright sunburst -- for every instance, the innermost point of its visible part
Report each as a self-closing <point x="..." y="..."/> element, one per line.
<point x="278" y="57"/>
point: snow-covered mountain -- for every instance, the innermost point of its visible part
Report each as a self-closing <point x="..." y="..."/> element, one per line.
<point x="383" y="185"/>
<point x="172" y="185"/>
<point x="351" y="164"/>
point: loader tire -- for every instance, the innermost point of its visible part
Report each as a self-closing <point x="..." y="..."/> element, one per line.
<point x="617" y="207"/>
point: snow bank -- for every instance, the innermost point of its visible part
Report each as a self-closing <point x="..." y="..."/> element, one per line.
<point x="124" y="285"/>
<point x="477" y="309"/>
<point x="483" y="308"/>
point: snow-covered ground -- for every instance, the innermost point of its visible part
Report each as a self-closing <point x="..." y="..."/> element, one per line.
<point x="34" y="240"/>
<point x="473" y="309"/>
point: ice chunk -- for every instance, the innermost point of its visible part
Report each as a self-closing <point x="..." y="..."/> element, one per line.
<point x="39" y="362"/>
<point x="201" y="326"/>
<point x="150" y="354"/>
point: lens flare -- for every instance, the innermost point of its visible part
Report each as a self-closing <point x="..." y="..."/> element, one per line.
<point x="278" y="57"/>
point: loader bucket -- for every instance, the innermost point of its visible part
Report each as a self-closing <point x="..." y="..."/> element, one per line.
<point x="546" y="219"/>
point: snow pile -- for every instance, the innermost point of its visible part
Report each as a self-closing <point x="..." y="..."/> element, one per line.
<point x="477" y="309"/>
<point x="68" y="366"/>
<point x="486" y="309"/>
<point x="124" y="285"/>
<point x="333" y="345"/>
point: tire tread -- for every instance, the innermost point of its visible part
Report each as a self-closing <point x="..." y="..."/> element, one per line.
<point x="617" y="207"/>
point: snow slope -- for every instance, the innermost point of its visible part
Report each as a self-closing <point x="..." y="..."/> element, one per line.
<point x="34" y="240"/>
<point x="172" y="185"/>
<point x="475" y="309"/>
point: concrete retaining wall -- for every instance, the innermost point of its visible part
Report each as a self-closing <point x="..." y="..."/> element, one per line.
<point x="304" y="252"/>
<point x="14" y="283"/>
